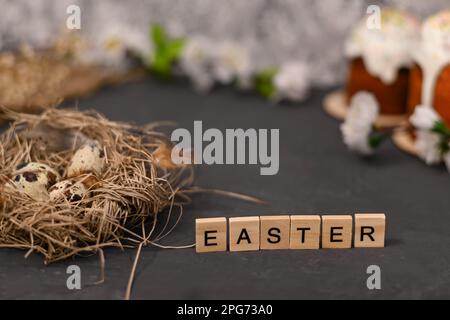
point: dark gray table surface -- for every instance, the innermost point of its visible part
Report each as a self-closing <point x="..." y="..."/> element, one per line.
<point x="317" y="175"/>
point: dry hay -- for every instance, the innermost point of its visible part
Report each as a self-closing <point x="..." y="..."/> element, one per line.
<point x="31" y="81"/>
<point x="138" y="182"/>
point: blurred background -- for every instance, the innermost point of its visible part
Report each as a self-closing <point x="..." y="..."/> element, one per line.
<point x="317" y="173"/>
<point x="273" y="31"/>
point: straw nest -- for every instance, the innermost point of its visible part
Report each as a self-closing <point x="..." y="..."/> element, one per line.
<point x="137" y="181"/>
<point x="34" y="80"/>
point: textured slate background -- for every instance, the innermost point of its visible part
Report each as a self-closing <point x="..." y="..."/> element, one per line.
<point x="317" y="175"/>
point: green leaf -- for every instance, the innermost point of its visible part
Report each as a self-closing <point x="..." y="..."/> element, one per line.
<point x="166" y="52"/>
<point x="263" y="82"/>
<point x="158" y="36"/>
<point x="161" y="68"/>
<point x="443" y="145"/>
<point x="175" y="48"/>
<point x="441" y="128"/>
<point x="376" y="139"/>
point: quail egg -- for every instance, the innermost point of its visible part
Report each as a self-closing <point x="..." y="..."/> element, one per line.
<point x="70" y="190"/>
<point x="88" y="159"/>
<point x="34" y="179"/>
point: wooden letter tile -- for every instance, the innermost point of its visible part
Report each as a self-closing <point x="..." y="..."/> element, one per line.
<point x="337" y="231"/>
<point x="305" y="232"/>
<point x="275" y="232"/>
<point x="211" y="234"/>
<point x="244" y="234"/>
<point x="370" y="230"/>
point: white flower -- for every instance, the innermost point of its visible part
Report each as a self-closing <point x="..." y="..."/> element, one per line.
<point x="232" y="62"/>
<point x="427" y="145"/>
<point x="111" y="47"/>
<point x="197" y="54"/>
<point x="196" y="61"/>
<point x="139" y="44"/>
<point x="424" y="117"/>
<point x="359" y="122"/>
<point x="292" y="81"/>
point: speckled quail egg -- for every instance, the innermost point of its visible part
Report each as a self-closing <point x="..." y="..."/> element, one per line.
<point x="70" y="190"/>
<point x="90" y="158"/>
<point x="34" y="179"/>
<point x="52" y="175"/>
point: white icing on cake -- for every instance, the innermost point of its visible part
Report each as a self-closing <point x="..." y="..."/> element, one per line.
<point x="388" y="49"/>
<point x="433" y="53"/>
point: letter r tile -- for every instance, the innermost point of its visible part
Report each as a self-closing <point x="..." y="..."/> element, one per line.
<point x="370" y="230"/>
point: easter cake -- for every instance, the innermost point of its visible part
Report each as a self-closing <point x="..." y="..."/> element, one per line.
<point x="380" y="60"/>
<point x="430" y="75"/>
<point x="379" y="63"/>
